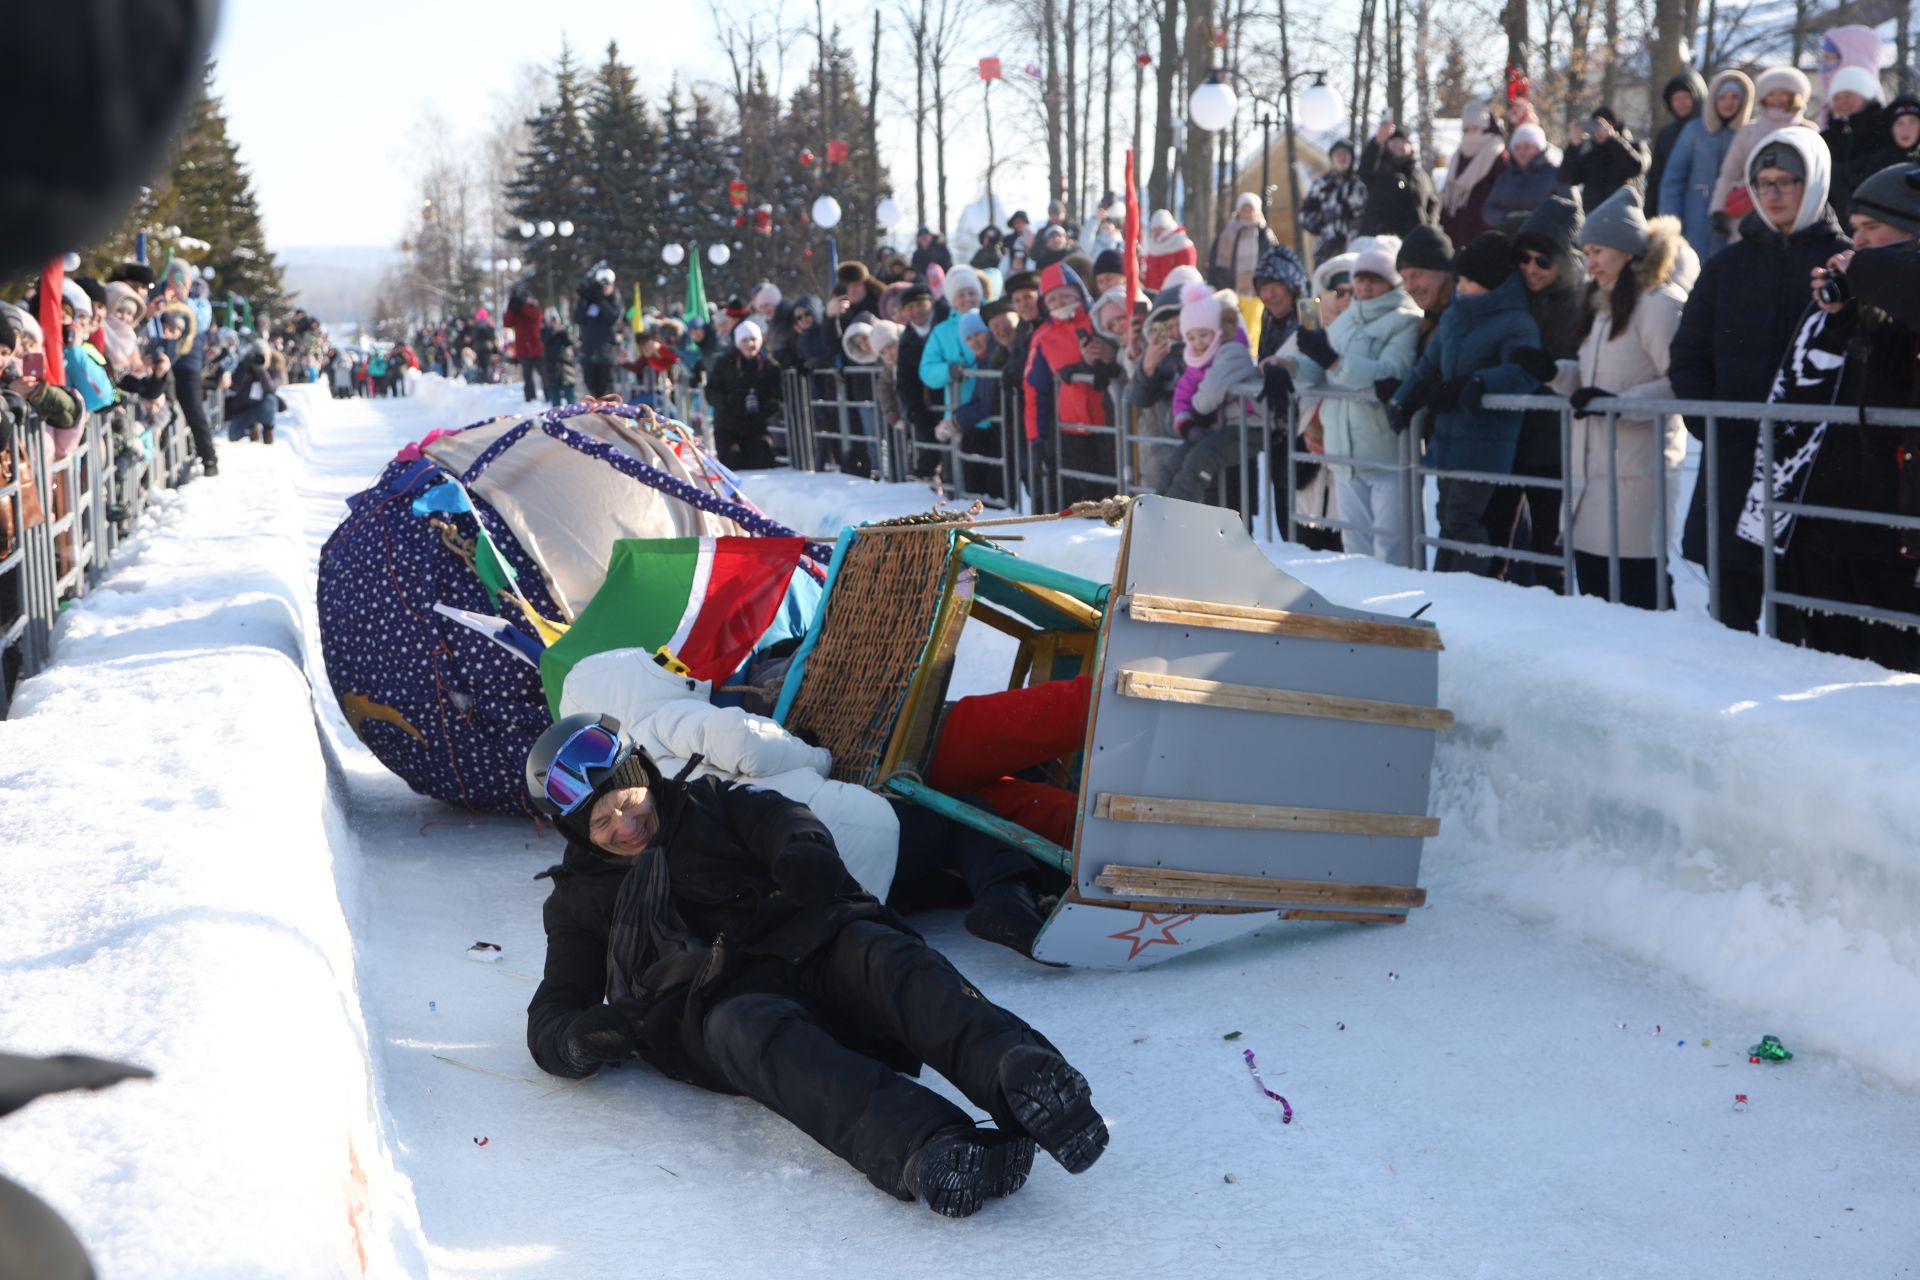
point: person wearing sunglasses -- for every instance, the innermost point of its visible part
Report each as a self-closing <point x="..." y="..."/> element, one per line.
<point x="710" y="929"/>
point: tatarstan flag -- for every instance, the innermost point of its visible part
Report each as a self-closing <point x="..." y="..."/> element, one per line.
<point x="707" y="600"/>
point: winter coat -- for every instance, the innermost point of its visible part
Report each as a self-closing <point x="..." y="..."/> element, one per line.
<point x="1557" y="310"/>
<point x="817" y="347"/>
<point x="1470" y="218"/>
<point x="1331" y="210"/>
<point x="240" y="395"/>
<point x="524" y="320"/>
<point x="945" y="348"/>
<point x="913" y="392"/>
<point x="598" y="317"/>
<point x="1601" y="168"/>
<point x="1202" y="389"/>
<point x="1733" y="166"/>
<point x="979" y="398"/>
<point x="1164" y="253"/>
<point x="88" y="376"/>
<point x="1669" y="136"/>
<point x="1055" y="350"/>
<point x="670" y="718"/>
<point x="1855" y="143"/>
<point x="1399" y="195"/>
<point x="1632" y="364"/>
<point x="664" y="935"/>
<point x="934" y="252"/>
<point x="1693" y="170"/>
<point x="1476" y="338"/>
<point x="1236" y="252"/>
<point x="1735" y="328"/>
<point x="730" y="383"/>
<point x="1517" y="192"/>
<point x="562" y="358"/>
<point x="1374" y="339"/>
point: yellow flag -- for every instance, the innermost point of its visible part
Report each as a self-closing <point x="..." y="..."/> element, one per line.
<point x="638" y="323"/>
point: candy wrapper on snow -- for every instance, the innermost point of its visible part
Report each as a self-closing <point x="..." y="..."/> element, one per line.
<point x="1769" y="1050"/>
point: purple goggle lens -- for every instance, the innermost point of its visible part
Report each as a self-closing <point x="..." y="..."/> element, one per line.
<point x="568" y="784"/>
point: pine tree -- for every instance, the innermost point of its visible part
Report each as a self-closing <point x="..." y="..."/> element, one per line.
<point x="696" y="164"/>
<point x="554" y="184"/>
<point x="625" y="154"/>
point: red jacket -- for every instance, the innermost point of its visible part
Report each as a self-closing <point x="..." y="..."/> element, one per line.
<point x="1164" y="253"/>
<point x="524" y="320"/>
<point x="1055" y="349"/>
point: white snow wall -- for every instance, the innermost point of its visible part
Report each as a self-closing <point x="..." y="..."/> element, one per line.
<point x="172" y="847"/>
<point x="1731" y="808"/>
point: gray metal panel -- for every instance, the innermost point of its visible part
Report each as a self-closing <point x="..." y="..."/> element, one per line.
<point x="1151" y="748"/>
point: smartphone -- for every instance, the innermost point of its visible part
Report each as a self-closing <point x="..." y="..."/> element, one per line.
<point x="33" y="364"/>
<point x="1310" y="313"/>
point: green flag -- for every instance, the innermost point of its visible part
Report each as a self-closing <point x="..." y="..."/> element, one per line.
<point x="696" y="304"/>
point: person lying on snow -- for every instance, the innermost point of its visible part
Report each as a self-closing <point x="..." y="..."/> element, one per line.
<point x="711" y="929"/>
<point x="906" y="856"/>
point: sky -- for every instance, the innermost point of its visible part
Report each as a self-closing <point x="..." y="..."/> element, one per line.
<point x="324" y="110"/>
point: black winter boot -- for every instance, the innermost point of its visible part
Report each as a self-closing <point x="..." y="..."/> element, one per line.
<point x="266" y="433"/>
<point x="1054" y="1103"/>
<point x="1006" y="915"/>
<point x="957" y="1171"/>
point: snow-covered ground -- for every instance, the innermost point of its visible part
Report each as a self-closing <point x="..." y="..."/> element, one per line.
<point x="1659" y="840"/>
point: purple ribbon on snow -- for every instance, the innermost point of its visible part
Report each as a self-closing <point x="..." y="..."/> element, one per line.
<point x="1286" y="1108"/>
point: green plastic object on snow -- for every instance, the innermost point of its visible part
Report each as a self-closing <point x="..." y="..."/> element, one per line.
<point x="1770" y="1050"/>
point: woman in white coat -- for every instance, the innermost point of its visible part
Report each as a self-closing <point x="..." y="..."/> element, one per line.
<point x="1639" y="273"/>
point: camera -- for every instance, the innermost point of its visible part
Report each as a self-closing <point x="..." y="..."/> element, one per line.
<point x="1833" y="291"/>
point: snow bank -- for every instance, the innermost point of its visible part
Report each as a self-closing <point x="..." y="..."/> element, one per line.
<point x="1728" y="807"/>
<point x="167" y="897"/>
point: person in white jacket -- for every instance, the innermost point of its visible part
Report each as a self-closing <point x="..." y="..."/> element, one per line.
<point x="1640" y="272"/>
<point x="672" y="720"/>
<point x="1372" y="341"/>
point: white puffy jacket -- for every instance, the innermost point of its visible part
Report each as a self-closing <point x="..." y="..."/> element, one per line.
<point x="669" y="717"/>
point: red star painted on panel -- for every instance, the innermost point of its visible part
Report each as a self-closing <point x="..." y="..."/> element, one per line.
<point x="1135" y="937"/>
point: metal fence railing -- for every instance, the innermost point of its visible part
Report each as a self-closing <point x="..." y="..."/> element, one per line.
<point x="62" y="517"/>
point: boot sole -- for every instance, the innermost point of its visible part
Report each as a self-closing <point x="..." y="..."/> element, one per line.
<point x="965" y="1175"/>
<point x="1055" y="1105"/>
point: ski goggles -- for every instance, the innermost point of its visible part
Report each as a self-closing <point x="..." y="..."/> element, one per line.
<point x="568" y="782"/>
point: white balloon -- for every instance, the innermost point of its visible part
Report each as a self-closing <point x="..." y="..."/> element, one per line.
<point x="890" y="214"/>
<point x="546" y="226"/>
<point x="71" y="262"/>
<point x="673" y="255"/>
<point x="718" y="254"/>
<point x="826" y="213"/>
<point x="1320" y="108"/>
<point x="1212" y="106"/>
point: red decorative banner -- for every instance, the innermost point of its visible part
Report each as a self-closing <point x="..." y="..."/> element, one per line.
<point x="990" y="69"/>
<point x="737" y="193"/>
<point x="836" y="151"/>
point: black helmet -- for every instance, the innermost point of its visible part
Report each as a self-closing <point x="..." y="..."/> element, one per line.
<point x="573" y="761"/>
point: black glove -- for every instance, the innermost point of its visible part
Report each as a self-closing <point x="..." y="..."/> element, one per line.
<point x="1446" y="396"/>
<point x="601" y="1034"/>
<point x="1279" y="380"/>
<point x="1535" y="363"/>
<point x="1385" y="388"/>
<point x="1722" y="224"/>
<point x="1398" y="416"/>
<point x="809" y="872"/>
<point x="1583" y="397"/>
<point x="1316" y="346"/>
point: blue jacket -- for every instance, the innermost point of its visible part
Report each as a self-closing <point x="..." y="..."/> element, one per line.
<point x="87" y="375"/>
<point x="1518" y="192"/>
<point x="945" y="347"/>
<point x="1686" y="187"/>
<point x="980" y="402"/>
<point x="1476" y="338"/>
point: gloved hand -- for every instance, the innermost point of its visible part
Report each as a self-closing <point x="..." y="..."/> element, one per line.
<point x="1722" y="224"/>
<point x="1583" y="397"/>
<point x="601" y="1034"/>
<point x="1279" y="380"/>
<point x="947" y="432"/>
<point x="1316" y="346"/>
<point x="1536" y="363"/>
<point x="1385" y="389"/>
<point x="1446" y="396"/>
<point x="1398" y="417"/>
<point x="1471" y="394"/>
<point x="809" y="872"/>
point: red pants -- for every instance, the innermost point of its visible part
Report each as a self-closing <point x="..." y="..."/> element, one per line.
<point x="985" y="738"/>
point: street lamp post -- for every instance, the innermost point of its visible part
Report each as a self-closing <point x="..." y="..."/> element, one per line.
<point x="549" y="233"/>
<point x="1214" y="106"/>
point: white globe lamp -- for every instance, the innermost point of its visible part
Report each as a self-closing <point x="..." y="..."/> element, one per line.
<point x="718" y="254"/>
<point x="1320" y="107"/>
<point x="826" y="213"/>
<point x="546" y="226"/>
<point x="673" y="255"/>
<point x="890" y="214"/>
<point x="526" y="230"/>
<point x="1213" y="106"/>
<point x="566" y="228"/>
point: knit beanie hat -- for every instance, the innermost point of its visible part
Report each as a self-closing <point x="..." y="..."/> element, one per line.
<point x="1854" y="80"/>
<point x="1892" y="196"/>
<point x="1378" y="259"/>
<point x="1606" y="113"/>
<point x="1552" y="227"/>
<point x="744" y="330"/>
<point x="1778" y="156"/>
<point x="1199" y="309"/>
<point x="1904" y="105"/>
<point x="1488" y="261"/>
<point x="1529" y="133"/>
<point x="1618" y="223"/>
<point x="972" y="323"/>
<point x="1109" y="263"/>
<point x="959" y="278"/>
<point x="1426" y="247"/>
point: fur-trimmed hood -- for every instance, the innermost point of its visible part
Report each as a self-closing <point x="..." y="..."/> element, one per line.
<point x="1669" y="259"/>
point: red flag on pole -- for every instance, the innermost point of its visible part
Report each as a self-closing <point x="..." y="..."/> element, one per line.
<point x="1131" y="231"/>
<point x="836" y="151"/>
<point x="52" y="281"/>
<point x="990" y="69"/>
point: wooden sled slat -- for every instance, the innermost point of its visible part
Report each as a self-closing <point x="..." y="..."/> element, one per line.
<point x="1279" y="622"/>
<point x="1167" y="883"/>
<point x="1348" y="917"/>
<point x="1159" y="687"/>
<point x="1262" y="817"/>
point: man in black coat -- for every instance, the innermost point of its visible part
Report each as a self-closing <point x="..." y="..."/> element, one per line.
<point x="735" y="953"/>
<point x="1607" y="159"/>
<point x="597" y="313"/>
<point x="916" y="317"/>
<point x="1399" y="195"/>
<point x="1738" y="321"/>
<point x="743" y="390"/>
<point x="929" y="250"/>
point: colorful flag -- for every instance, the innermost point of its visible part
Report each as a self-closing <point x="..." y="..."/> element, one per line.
<point x="639" y="323"/>
<point x="837" y="151"/>
<point x="706" y="601"/>
<point x="501" y="632"/>
<point x="52" y="281"/>
<point x="695" y="307"/>
<point x="990" y="69"/>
